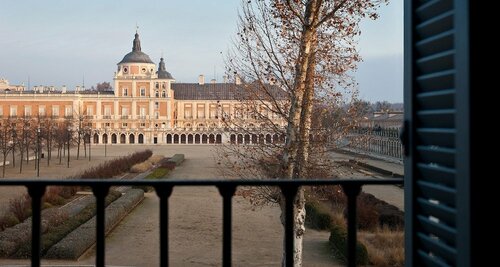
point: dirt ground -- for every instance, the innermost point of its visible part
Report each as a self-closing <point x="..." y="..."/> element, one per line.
<point x="195" y="224"/>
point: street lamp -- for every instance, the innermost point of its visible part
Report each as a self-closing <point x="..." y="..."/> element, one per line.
<point x="105" y="142"/>
<point x="38" y="131"/>
<point x="89" y="131"/>
<point x="69" y="131"/>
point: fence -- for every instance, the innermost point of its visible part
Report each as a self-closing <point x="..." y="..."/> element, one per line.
<point x="100" y="188"/>
<point x="383" y="142"/>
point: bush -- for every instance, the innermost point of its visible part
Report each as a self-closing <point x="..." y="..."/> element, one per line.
<point x="53" y="196"/>
<point x="155" y="159"/>
<point x="316" y="217"/>
<point x="141" y="167"/>
<point x="177" y="159"/>
<point x="167" y="164"/>
<point x="338" y="242"/>
<point x="158" y="173"/>
<point x="61" y="228"/>
<point x="8" y="220"/>
<point x="114" y="167"/>
<point x="21" y="207"/>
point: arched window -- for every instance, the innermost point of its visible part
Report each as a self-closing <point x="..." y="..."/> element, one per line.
<point x="125" y="91"/>
<point x="163" y="94"/>
<point x="157" y="94"/>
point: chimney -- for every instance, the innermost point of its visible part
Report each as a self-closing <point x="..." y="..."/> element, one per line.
<point x="224" y="78"/>
<point x="213" y="81"/>
<point x="201" y="79"/>
<point x="238" y="79"/>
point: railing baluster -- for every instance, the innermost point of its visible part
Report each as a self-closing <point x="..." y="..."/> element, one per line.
<point x="352" y="191"/>
<point x="100" y="192"/>
<point x="36" y="193"/>
<point x="227" y="192"/>
<point x="163" y="192"/>
<point x="289" y="192"/>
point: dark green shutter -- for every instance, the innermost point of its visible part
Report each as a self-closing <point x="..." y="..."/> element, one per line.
<point x="436" y="114"/>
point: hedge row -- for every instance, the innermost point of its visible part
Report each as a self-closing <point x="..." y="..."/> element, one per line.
<point x="115" y="167"/>
<point x="177" y="159"/>
<point x="338" y="241"/>
<point x="317" y="217"/>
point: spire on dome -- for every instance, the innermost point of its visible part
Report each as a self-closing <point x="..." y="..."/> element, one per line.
<point x="137" y="43"/>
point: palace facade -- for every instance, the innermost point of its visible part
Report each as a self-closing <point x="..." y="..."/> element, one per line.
<point x="146" y="106"/>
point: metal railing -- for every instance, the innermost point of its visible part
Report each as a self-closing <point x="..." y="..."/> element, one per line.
<point x="227" y="188"/>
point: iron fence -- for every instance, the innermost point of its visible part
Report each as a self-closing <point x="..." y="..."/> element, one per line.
<point x="227" y="188"/>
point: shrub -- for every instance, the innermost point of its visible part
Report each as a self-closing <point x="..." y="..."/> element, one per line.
<point x="21" y="207"/>
<point x="141" y="167"/>
<point x="114" y="167"/>
<point x="8" y="220"/>
<point x="53" y="196"/>
<point x="155" y="159"/>
<point x="167" y="164"/>
<point x="385" y="247"/>
<point x="368" y="218"/>
<point x="316" y="217"/>
<point x="338" y="242"/>
<point x="157" y="173"/>
<point x="177" y="159"/>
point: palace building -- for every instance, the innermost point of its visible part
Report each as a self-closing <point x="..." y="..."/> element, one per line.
<point x="146" y="106"/>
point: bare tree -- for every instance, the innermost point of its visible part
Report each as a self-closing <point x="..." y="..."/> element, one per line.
<point x="6" y="141"/>
<point x="306" y="49"/>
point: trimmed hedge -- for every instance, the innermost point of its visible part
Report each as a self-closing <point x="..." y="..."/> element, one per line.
<point x="114" y="167"/>
<point x="177" y="159"/>
<point x="338" y="242"/>
<point x="158" y="173"/>
<point x="55" y="234"/>
<point x="317" y="217"/>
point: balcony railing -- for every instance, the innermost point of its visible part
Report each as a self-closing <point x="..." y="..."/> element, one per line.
<point x="106" y="117"/>
<point x="227" y="188"/>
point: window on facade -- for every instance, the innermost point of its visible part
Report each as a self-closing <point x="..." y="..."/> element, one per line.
<point x="13" y="111"/>
<point x="213" y="111"/>
<point x="163" y="94"/>
<point x="55" y="111"/>
<point x="124" y="124"/>
<point x="107" y="124"/>
<point x="143" y="91"/>
<point x="142" y="112"/>
<point x="41" y="110"/>
<point x="226" y="110"/>
<point x="68" y="111"/>
<point x="125" y="91"/>
<point x="163" y="85"/>
<point x="157" y="94"/>
<point x="187" y="111"/>
<point x="125" y="111"/>
<point x="157" y="115"/>
<point x="107" y="111"/>
<point x="157" y="105"/>
<point x="142" y="125"/>
<point x="200" y="111"/>
<point x="27" y="110"/>
<point x="90" y="111"/>
<point x="157" y="86"/>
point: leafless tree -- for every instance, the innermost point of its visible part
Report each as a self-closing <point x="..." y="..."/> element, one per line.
<point x="307" y="50"/>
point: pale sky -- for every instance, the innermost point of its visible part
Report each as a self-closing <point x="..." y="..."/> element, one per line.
<point x="60" y="42"/>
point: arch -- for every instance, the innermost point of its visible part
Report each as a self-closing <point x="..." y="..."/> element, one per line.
<point x="232" y="139"/>
<point x="140" y="139"/>
<point x="275" y="138"/>
<point x="176" y="138"/>
<point x="157" y="94"/>
<point x="96" y="139"/>
<point x="190" y="139"/>
<point x="218" y="139"/>
<point x="104" y="138"/>
<point x="183" y="138"/>
<point x="204" y="139"/>
<point x="261" y="139"/>
<point x="282" y="138"/>
<point x="240" y="139"/>
<point x="123" y="139"/>
<point x="169" y="139"/>
<point x="211" y="139"/>
<point x="131" y="139"/>
<point x="113" y="139"/>
<point x="196" y="138"/>
<point x="163" y="93"/>
<point x="268" y="139"/>
<point x="247" y="139"/>
<point x="254" y="139"/>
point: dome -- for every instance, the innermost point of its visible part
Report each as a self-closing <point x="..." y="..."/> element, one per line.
<point x="136" y="56"/>
<point x="162" y="71"/>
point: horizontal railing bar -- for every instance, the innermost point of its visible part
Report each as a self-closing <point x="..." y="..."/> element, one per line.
<point x="275" y="182"/>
